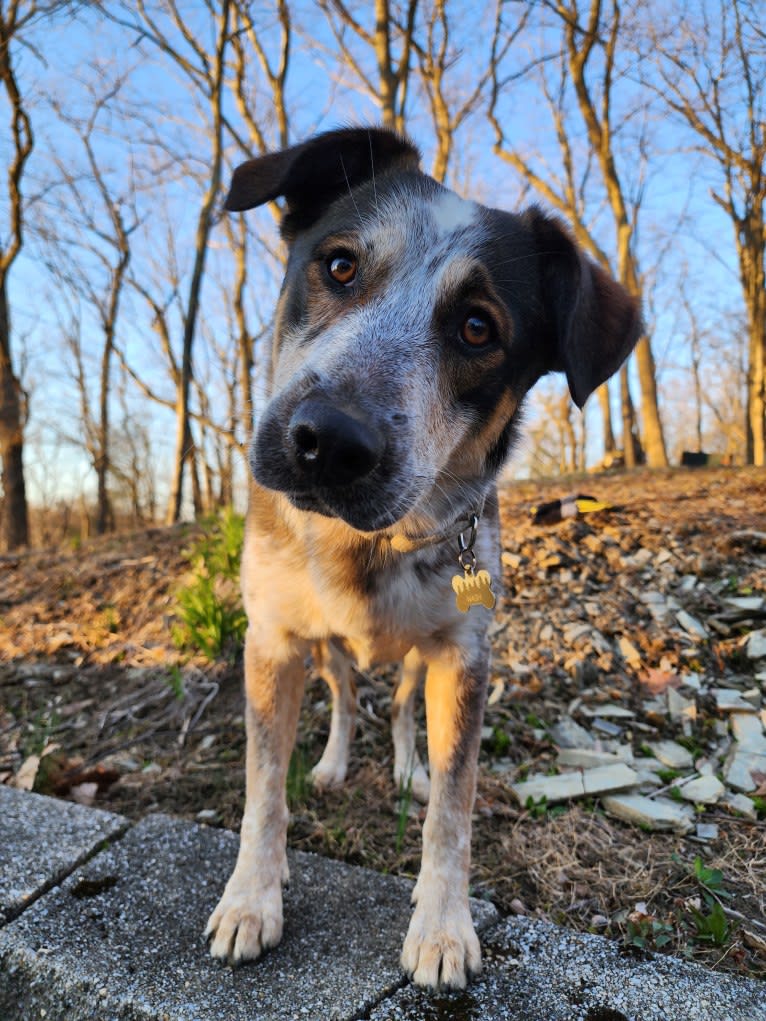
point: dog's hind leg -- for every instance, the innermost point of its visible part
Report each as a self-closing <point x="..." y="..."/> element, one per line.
<point x="408" y="769"/>
<point x="248" y="919"/>
<point x="335" y="668"/>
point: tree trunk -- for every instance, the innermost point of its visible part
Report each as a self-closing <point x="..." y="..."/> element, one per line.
<point x="756" y="396"/>
<point x="606" y="418"/>
<point x="653" y="436"/>
<point x="631" y="445"/>
<point x="204" y="226"/>
<point x="15" y="523"/>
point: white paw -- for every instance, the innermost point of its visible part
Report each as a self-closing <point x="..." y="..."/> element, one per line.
<point x="328" y="773"/>
<point x="417" y="776"/>
<point x="246" y="922"/>
<point x="442" y="950"/>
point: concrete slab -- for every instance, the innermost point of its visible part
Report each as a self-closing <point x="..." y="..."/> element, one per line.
<point x="41" y="841"/>
<point x="121" y="939"/>
<point x="538" y="972"/>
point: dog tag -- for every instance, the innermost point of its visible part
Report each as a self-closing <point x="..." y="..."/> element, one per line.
<point x="473" y="588"/>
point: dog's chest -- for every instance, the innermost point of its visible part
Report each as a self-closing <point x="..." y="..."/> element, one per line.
<point x="380" y="603"/>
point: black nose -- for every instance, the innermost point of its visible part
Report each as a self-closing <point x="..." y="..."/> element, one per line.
<point x="331" y="447"/>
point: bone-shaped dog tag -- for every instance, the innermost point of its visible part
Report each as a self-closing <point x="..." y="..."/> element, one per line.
<point x="473" y="588"/>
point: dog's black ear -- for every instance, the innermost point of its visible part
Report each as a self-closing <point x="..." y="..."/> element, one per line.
<point x="594" y="322"/>
<point x="312" y="174"/>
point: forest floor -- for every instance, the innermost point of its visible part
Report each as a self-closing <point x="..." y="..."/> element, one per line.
<point x="629" y="622"/>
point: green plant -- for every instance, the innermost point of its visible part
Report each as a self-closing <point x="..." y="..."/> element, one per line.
<point x="175" y="681"/>
<point x="712" y="927"/>
<point x="646" y="932"/>
<point x="209" y="609"/>
<point x="298" y="784"/>
<point x="498" y="742"/>
<point x="540" y="809"/>
<point x="710" y="879"/>
<point x="404" y="800"/>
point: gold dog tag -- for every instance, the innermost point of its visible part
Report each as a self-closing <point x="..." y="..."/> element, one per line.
<point x="473" y="588"/>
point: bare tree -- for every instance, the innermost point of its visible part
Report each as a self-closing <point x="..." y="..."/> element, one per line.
<point x="389" y="85"/>
<point x="168" y="31"/>
<point x="14" y="18"/>
<point x="100" y="218"/>
<point x="587" y="63"/>
<point x="712" y="63"/>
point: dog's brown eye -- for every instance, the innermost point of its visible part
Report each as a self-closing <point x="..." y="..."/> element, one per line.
<point x="342" y="268"/>
<point x="476" y="330"/>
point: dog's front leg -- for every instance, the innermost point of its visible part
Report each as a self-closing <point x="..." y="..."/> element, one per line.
<point x="441" y="948"/>
<point x="248" y="919"/>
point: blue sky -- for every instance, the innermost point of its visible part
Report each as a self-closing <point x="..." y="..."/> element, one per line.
<point x="682" y="232"/>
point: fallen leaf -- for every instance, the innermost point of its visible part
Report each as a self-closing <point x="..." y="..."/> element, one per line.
<point x="25" y="777"/>
<point x="657" y="681"/>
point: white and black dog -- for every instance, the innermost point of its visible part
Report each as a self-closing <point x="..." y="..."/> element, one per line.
<point x="410" y="325"/>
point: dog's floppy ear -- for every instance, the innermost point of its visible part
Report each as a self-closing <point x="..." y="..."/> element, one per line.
<point x="312" y="174"/>
<point x="594" y="322"/>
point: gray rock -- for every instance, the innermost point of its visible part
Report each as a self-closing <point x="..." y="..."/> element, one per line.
<point x="748" y="731"/>
<point x="755" y="646"/>
<point x="575" y="785"/>
<point x="740" y="767"/>
<point x="43" y="840"/>
<point x="691" y="625"/>
<point x="121" y="939"/>
<point x="729" y="700"/>
<point x="672" y="755"/>
<point x="653" y="813"/>
<point x="567" y="733"/>
<point x="537" y="972"/>
<point x="705" y="790"/>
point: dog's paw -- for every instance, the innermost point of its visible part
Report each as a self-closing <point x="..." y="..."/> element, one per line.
<point x="441" y="952"/>
<point x="329" y="772"/>
<point x="244" y="924"/>
<point x="418" y="778"/>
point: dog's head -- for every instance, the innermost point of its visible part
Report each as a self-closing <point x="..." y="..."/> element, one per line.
<point x="410" y="326"/>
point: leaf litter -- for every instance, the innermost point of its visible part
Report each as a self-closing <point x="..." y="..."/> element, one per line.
<point x="631" y="639"/>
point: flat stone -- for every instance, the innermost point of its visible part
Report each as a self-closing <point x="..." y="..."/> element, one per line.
<point x="586" y="758"/>
<point x="707" y="831"/>
<point x="755" y="646"/>
<point x="705" y="790"/>
<point x="41" y="841"/>
<point x="747" y="729"/>
<point x="121" y="939"/>
<point x="750" y="604"/>
<point x="654" y="813"/>
<point x="730" y="700"/>
<point x="741" y="804"/>
<point x="671" y="754"/>
<point x="535" y="971"/>
<point x="575" y="785"/>
<point x="608" y="711"/>
<point x="691" y="625"/>
<point x="681" y="709"/>
<point x="740" y="767"/>
<point x="567" y="733"/>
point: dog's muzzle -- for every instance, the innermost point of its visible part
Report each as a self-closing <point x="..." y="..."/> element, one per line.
<point x="330" y="447"/>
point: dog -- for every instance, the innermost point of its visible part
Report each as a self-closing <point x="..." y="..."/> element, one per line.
<point x="410" y="325"/>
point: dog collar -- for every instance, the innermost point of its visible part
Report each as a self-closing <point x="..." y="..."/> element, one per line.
<point x="472" y="587"/>
<point x="405" y="544"/>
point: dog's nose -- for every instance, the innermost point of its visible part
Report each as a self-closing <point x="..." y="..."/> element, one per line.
<point x="331" y="447"/>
